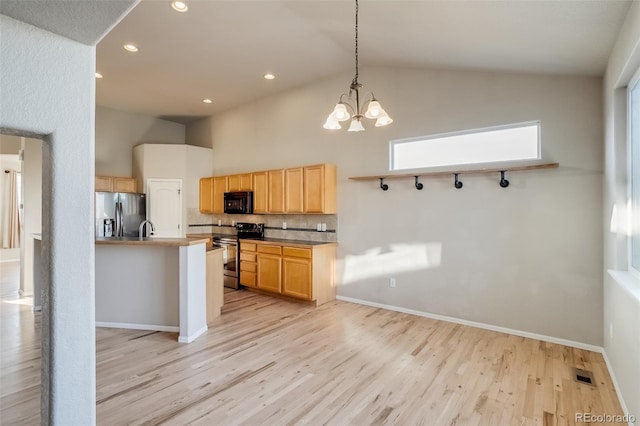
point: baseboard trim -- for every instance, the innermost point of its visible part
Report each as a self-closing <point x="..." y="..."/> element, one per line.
<point x="194" y="336"/>
<point x="623" y="404"/>
<point x="152" y="327"/>
<point x="565" y="342"/>
<point x="9" y="260"/>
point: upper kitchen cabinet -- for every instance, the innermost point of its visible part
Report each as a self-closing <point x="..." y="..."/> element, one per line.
<point x="320" y="189"/>
<point x="294" y="190"/>
<point x="220" y="186"/>
<point x="104" y="184"/>
<point x="121" y="184"/>
<point x="242" y="182"/>
<point x="260" y="192"/>
<point x="276" y="190"/>
<point x="206" y="195"/>
<point x="115" y="184"/>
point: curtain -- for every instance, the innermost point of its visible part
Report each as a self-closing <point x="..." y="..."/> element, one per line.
<point x="11" y="221"/>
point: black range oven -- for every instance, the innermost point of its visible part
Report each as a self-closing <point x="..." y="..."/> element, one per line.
<point x="230" y="243"/>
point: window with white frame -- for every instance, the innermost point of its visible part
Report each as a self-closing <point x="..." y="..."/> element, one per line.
<point x="634" y="172"/>
<point x="513" y="142"/>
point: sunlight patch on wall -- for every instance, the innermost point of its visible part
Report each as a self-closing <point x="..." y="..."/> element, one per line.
<point x="399" y="258"/>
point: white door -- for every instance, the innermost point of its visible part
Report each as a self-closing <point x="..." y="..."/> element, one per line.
<point x="164" y="198"/>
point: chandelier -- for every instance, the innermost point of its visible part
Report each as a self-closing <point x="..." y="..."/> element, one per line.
<point x="349" y="106"/>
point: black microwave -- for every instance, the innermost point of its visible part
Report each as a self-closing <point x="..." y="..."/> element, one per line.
<point x="238" y="202"/>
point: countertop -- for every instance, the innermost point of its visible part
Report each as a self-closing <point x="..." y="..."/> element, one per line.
<point x="286" y="241"/>
<point x="267" y="240"/>
<point x="166" y="242"/>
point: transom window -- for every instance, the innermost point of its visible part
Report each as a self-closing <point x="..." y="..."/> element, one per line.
<point x="513" y="142"/>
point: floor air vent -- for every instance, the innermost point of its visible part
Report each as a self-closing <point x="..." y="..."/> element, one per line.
<point x="583" y="376"/>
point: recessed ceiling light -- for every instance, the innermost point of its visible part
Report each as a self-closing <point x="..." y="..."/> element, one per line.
<point x="207" y="101"/>
<point x="179" y="6"/>
<point x="269" y="76"/>
<point x="98" y="75"/>
<point x="130" y="47"/>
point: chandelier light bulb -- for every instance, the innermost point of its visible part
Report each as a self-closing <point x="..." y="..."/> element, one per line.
<point x="374" y="110"/>
<point x="340" y="112"/>
<point x="356" y="125"/>
<point x="332" y="124"/>
<point x="383" y="120"/>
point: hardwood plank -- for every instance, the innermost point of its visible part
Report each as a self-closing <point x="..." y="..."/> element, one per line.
<point x="270" y="361"/>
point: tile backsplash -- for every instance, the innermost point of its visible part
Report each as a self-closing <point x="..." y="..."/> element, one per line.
<point x="299" y="226"/>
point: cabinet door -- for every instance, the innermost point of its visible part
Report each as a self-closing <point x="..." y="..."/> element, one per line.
<point x="219" y="188"/>
<point x="293" y="190"/>
<point x="260" y="193"/>
<point x="269" y="272"/>
<point x="240" y="182"/>
<point x="121" y="184"/>
<point x="104" y="184"/>
<point x="276" y="191"/>
<point x="206" y="195"/>
<point x="296" y="277"/>
<point x="320" y="189"/>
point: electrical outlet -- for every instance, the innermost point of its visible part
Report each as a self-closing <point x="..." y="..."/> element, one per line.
<point x="392" y="282"/>
<point x="324" y="227"/>
<point x="319" y="227"/>
<point x="284" y="225"/>
<point x="219" y="222"/>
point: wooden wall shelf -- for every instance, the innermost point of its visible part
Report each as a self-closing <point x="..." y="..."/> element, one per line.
<point x="455" y="173"/>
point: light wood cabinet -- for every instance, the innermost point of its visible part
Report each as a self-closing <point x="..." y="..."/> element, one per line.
<point x="240" y="182"/>
<point x="215" y="284"/>
<point x="320" y="189"/>
<point x="248" y="264"/>
<point x="310" y="189"/>
<point x="260" y="192"/>
<point x="206" y="195"/>
<point x="276" y="191"/>
<point x="121" y="184"/>
<point x="296" y="277"/>
<point x="294" y="190"/>
<point x="115" y="184"/>
<point x="104" y="184"/>
<point x="269" y="268"/>
<point x="300" y="271"/>
<point x="220" y="186"/>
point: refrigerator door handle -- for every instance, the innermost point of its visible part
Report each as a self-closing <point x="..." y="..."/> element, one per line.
<point x="118" y="219"/>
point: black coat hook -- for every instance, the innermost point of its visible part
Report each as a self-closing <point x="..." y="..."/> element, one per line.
<point x="419" y="186"/>
<point x="457" y="183"/>
<point x="383" y="185"/>
<point x="503" y="182"/>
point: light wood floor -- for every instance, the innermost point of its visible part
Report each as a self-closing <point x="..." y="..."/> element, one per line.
<point x="271" y="362"/>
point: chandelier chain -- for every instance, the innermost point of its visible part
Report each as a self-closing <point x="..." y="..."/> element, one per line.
<point x="355" y="79"/>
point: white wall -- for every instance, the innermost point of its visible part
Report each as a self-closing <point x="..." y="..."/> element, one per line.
<point x="32" y="211"/>
<point x="117" y="132"/>
<point x="528" y="257"/>
<point x="621" y="297"/>
<point x="47" y="84"/>
<point x="185" y="162"/>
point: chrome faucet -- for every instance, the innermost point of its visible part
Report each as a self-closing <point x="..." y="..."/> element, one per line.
<point x="142" y="228"/>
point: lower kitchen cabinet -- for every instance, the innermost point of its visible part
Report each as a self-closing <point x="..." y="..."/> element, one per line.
<point x="296" y="277"/>
<point x="298" y="270"/>
<point x="215" y="286"/>
<point x="269" y="268"/>
<point x="248" y="264"/>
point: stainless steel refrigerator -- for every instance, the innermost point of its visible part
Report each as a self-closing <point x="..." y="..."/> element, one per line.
<point x="119" y="214"/>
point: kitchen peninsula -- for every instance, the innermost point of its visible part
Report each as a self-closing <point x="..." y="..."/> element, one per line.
<point x="152" y="284"/>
